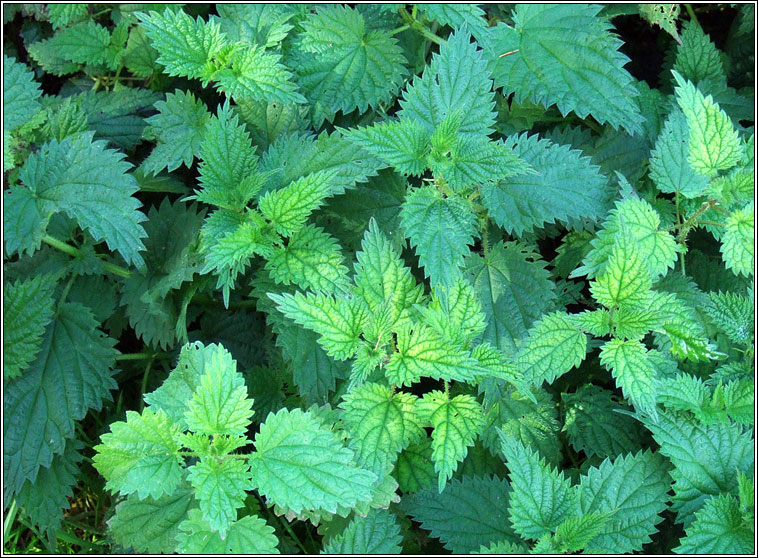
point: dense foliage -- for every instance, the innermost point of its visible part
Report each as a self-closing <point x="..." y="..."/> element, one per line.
<point x="379" y="279"/>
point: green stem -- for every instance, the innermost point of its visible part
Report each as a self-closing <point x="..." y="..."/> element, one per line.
<point x="591" y="125"/>
<point x="400" y="29"/>
<point x="135" y="356"/>
<point x="292" y="534"/>
<point x="691" y="13"/>
<point x="9" y="518"/>
<point x="74" y="252"/>
<point x="143" y="386"/>
<point x="419" y="27"/>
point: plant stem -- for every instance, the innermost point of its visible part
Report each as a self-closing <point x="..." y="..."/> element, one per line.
<point x="143" y="386"/>
<point x="691" y="13"/>
<point x="9" y="518"/>
<point x="400" y="29"/>
<point x="419" y="27"/>
<point x="74" y="252"/>
<point x="135" y="356"/>
<point x="292" y="534"/>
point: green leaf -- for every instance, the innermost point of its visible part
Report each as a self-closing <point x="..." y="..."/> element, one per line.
<point x="263" y="24"/>
<point x="249" y="535"/>
<point x="312" y="259"/>
<point x="179" y="128"/>
<point x="457" y="422"/>
<point x="423" y="353"/>
<point x="402" y="144"/>
<point x="705" y="457"/>
<point x="45" y="500"/>
<point x="382" y="423"/>
<point x="635" y="373"/>
<point x="414" y="469"/>
<point x="381" y="277"/>
<point x="89" y="183"/>
<point x="457" y="79"/>
<point x="597" y="424"/>
<point x="342" y="64"/>
<point x="713" y="141"/>
<point x="565" y="186"/>
<point x="634" y="489"/>
<point x="141" y="455"/>
<point x="377" y="533"/>
<point x="75" y="359"/>
<point x="457" y="15"/>
<point x="228" y="169"/>
<point x="455" y="313"/>
<point x="20" y="93"/>
<point x="220" y="405"/>
<point x="440" y="229"/>
<point x="514" y="289"/>
<point x="719" y="528"/>
<point x="567" y="56"/>
<point x="542" y="497"/>
<point x="184" y="45"/>
<point x="625" y="281"/>
<point x="469" y="513"/>
<point x="62" y="15"/>
<point x="554" y="346"/>
<point x="151" y="525"/>
<point x="299" y="464"/>
<point x="662" y="15"/>
<point x="475" y="161"/>
<point x="289" y="207"/>
<point x="697" y="58"/>
<point x="640" y="221"/>
<point x="82" y="43"/>
<point x="670" y="168"/>
<point x="257" y="74"/>
<point x="737" y="244"/>
<point x="338" y="321"/>
<point x="733" y="314"/>
<point x="27" y="310"/>
<point x="220" y="486"/>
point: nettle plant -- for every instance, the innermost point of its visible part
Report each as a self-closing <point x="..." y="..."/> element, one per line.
<point x="392" y="270"/>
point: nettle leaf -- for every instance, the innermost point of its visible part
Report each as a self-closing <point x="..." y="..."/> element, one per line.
<point x="338" y="320"/>
<point x="20" y="93"/>
<point x="423" y="353"/>
<point x="457" y="421"/>
<point x="82" y="43"/>
<point x="457" y="80"/>
<point x="382" y="423"/>
<point x="342" y="64"/>
<point x="184" y="45"/>
<point x="377" y="533"/>
<point x="567" y="56"/>
<point x="301" y="465"/>
<point x="456" y="313"/>
<point x="249" y="535"/>
<point x="84" y="180"/>
<point x="220" y="405"/>
<point x="737" y="244"/>
<point x="706" y="458"/>
<point x="76" y="359"/>
<point x="220" y="486"/>
<point x="625" y="281"/>
<point x="713" y="142"/>
<point x="542" y="497"/>
<point x="733" y="314"/>
<point x="27" y="310"/>
<point x="635" y="372"/>
<point x="440" y="229"/>
<point x="151" y="524"/>
<point x="381" y="276"/>
<point x="402" y="144"/>
<point x="563" y="185"/>
<point x="554" y="346"/>
<point x="263" y="24"/>
<point x="179" y="129"/>
<point x="633" y="490"/>
<point x="141" y="455"/>
<point x="289" y="207"/>
<point x="515" y="290"/>
<point x="312" y="259"/>
<point x="697" y="58"/>
<point x="720" y="527"/>
<point x="457" y="15"/>
<point x="469" y="513"/>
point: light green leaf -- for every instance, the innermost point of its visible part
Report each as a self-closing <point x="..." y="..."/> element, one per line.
<point x="220" y="405"/>
<point x="457" y="422"/>
<point x="402" y="144"/>
<point x="301" y="465"/>
<point x="635" y="374"/>
<point x="381" y="423"/>
<point x="20" y="93"/>
<point x="697" y="58"/>
<point x="625" y="282"/>
<point x="719" y="528"/>
<point x="338" y="320"/>
<point x="141" y="455"/>
<point x="289" y="207"/>
<point x="713" y="141"/>
<point x="441" y="230"/>
<point x="249" y="535"/>
<point x="220" y="486"/>
<point x="738" y="242"/>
